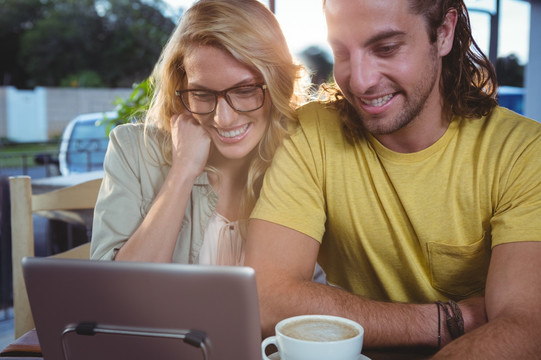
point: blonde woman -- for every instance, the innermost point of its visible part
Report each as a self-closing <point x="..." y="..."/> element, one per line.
<point x="181" y="187"/>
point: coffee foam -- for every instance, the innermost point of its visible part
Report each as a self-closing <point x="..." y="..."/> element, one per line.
<point x="319" y="330"/>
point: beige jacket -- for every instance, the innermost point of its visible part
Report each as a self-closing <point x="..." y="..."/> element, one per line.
<point x="134" y="173"/>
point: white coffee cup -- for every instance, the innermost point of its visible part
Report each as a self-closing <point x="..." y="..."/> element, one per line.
<point x="316" y="337"/>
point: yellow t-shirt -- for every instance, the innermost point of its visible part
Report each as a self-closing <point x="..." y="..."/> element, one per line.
<point x="413" y="227"/>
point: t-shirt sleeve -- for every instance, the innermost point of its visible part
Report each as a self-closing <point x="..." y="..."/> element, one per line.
<point x="293" y="189"/>
<point x="517" y="216"/>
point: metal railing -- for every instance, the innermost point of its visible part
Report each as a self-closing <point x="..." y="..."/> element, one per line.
<point x="82" y="155"/>
<point x="36" y="164"/>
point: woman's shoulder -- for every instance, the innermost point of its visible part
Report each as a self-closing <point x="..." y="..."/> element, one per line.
<point x="128" y="130"/>
<point x="138" y="140"/>
<point x="137" y="132"/>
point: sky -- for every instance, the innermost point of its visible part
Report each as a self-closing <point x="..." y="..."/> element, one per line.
<point x="304" y="25"/>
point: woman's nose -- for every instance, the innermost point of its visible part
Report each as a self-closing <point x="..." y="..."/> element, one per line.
<point x="224" y="115"/>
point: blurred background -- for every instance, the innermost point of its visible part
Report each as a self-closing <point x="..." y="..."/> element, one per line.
<point x="61" y="58"/>
<point x="70" y="70"/>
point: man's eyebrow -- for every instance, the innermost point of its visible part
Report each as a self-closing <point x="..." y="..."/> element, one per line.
<point x="384" y="36"/>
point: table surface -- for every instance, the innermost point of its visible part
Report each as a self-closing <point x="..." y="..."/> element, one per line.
<point x="30" y="341"/>
<point x="57" y="182"/>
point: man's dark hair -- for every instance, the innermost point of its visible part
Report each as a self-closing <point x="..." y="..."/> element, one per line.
<point x="468" y="81"/>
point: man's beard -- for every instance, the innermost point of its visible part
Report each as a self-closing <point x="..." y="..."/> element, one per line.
<point x="414" y="104"/>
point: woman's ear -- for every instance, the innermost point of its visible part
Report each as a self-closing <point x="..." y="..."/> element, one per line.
<point x="446" y="32"/>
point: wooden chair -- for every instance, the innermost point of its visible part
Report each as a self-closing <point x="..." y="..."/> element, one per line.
<point x="23" y="205"/>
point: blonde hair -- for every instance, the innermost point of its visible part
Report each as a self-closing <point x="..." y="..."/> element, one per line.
<point x="248" y="31"/>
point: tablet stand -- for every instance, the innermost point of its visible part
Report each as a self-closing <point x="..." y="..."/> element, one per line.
<point x="196" y="338"/>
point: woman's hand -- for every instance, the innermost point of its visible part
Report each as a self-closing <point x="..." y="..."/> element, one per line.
<point x="190" y="144"/>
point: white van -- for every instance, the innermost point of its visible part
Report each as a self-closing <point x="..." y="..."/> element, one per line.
<point x="84" y="142"/>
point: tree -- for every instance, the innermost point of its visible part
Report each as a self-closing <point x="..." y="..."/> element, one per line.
<point x="80" y="42"/>
<point x="65" y="42"/>
<point x="16" y="17"/>
<point x="136" y="34"/>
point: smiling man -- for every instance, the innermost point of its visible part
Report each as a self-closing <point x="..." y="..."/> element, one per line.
<point x="418" y="195"/>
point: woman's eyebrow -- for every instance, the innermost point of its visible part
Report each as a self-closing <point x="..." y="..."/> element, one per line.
<point x="247" y="81"/>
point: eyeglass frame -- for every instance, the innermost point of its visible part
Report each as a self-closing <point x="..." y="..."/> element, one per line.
<point x="222" y="94"/>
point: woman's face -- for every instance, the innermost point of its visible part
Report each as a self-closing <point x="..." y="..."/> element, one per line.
<point x="234" y="134"/>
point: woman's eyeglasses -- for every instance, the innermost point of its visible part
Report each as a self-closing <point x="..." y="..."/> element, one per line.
<point x="243" y="98"/>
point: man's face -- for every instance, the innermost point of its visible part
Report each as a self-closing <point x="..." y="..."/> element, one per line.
<point x="384" y="63"/>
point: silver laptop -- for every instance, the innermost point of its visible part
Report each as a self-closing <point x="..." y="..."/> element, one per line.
<point x="87" y="309"/>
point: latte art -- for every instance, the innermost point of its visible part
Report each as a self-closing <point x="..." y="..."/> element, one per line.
<point x="319" y="330"/>
<point x="316" y="337"/>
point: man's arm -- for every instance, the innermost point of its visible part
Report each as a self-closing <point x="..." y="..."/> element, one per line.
<point x="284" y="261"/>
<point x="513" y="295"/>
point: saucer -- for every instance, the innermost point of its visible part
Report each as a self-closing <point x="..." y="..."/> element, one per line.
<point x="276" y="356"/>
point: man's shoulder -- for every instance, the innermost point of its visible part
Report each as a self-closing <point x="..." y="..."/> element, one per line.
<point x="505" y="115"/>
<point x="502" y="132"/>
<point x="505" y="124"/>
<point x="320" y="117"/>
<point x="317" y="111"/>
<point x="502" y="117"/>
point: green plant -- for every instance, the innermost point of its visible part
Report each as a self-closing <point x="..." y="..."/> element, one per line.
<point x="132" y="108"/>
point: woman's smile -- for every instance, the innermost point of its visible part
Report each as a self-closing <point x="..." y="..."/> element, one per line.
<point x="233" y="134"/>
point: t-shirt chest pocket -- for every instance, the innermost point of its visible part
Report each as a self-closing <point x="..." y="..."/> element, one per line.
<point x="459" y="271"/>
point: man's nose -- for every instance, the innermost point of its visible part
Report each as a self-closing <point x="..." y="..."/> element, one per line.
<point x="364" y="73"/>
